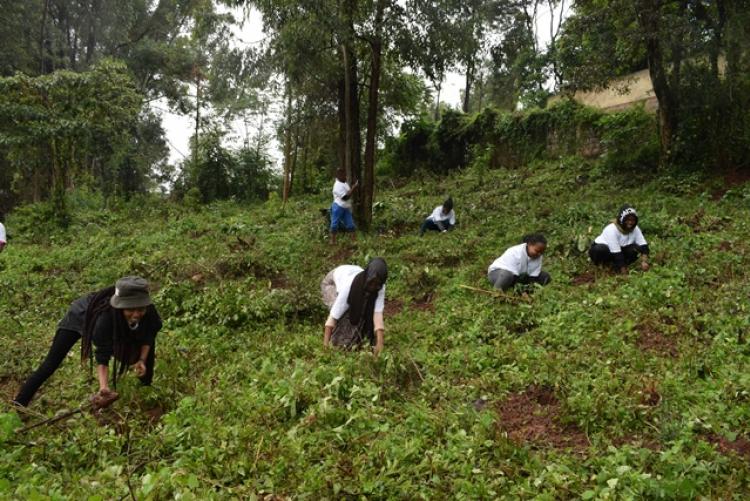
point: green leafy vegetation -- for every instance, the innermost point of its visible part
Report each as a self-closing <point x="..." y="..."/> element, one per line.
<point x="599" y="386"/>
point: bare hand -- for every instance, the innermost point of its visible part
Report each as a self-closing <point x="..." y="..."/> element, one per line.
<point x="103" y="398"/>
<point x="645" y="266"/>
<point x="140" y="368"/>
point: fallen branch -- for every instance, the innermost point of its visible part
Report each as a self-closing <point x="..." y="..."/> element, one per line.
<point x="55" y="419"/>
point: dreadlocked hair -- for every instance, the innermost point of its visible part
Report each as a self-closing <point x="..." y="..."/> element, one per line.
<point x="99" y="305"/>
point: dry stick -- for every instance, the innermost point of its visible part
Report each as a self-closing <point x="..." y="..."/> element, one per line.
<point x="495" y="294"/>
<point x="60" y="417"/>
<point x="419" y="373"/>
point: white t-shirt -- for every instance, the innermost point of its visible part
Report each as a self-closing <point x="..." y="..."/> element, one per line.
<point x="342" y="278"/>
<point x="517" y="261"/>
<point x="437" y="215"/>
<point x="339" y="191"/>
<point x="616" y="240"/>
<point x="2" y="233"/>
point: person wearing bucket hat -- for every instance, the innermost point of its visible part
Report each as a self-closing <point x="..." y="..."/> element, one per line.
<point x="117" y="322"/>
<point x="620" y="242"/>
<point x="442" y="218"/>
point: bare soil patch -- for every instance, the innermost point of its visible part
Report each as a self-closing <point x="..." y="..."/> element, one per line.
<point x="740" y="446"/>
<point x="393" y="307"/>
<point x="587" y="277"/>
<point x="341" y="253"/>
<point x="653" y="340"/>
<point x="423" y="303"/>
<point x="534" y="417"/>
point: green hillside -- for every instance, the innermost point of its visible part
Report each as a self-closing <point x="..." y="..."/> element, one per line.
<point x="598" y="386"/>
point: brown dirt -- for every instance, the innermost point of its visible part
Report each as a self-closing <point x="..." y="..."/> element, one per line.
<point x="279" y="281"/>
<point x="587" y="277"/>
<point x="732" y="178"/>
<point x="534" y="417"/>
<point x="650" y="395"/>
<point x="341" y="252"/>
<point x="154" y="415"/>
<point x="423" y="303"/>
<point x="725" y="246"/>
<point x="399" y="229"/>
<point x="651" y="339"/>
<point x="9" y="385"/>
<point x="741" y="445"/>
<point x="393" y="307"/>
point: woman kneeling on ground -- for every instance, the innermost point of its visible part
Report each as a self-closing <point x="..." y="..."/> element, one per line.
<point x="521" y="264"/>
<point x="442" y="218"/>
<point x="620" y="242"/>
<point x="356" y="298"/>
<point x="119" y="321"/>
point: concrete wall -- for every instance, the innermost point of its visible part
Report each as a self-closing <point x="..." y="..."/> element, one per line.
<point x="615" y="98"/>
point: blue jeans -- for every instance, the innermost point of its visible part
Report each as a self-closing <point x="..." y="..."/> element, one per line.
<point x="341" y="216"/>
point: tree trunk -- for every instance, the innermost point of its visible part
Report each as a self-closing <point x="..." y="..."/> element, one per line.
<point x="43" y="66"/>
<point x="93" y="18"/>
<point x="196" y="73"/>
<point x="666" y="95"/>
<point x="287" y="145"/>
<point x="438" y="86"/>
<point x="368" y="187"/>
<point x="469" y="80"/>
<point x="342" y="144"/>
<point x="353" y="152"/>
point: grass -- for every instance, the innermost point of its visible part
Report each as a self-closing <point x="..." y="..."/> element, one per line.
<point x="601" y="386"/>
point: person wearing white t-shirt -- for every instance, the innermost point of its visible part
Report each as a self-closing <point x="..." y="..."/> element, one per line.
<point x="620" y="242"/>
<point x="521" y="263"/>
<point x="442" y="218"/>
<point x="341" y="208"/>
<point x="3" y="238"/>
<point x="356" y="298"/>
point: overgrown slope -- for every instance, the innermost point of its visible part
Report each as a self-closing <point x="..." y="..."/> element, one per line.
<point x="623" y="386"/>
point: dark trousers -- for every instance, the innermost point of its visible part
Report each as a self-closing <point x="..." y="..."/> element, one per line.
<point x="600" y="254"/>
<point x="504" y="279"/>
<point x="431" y="225"/>
<point x="61" y="345"/>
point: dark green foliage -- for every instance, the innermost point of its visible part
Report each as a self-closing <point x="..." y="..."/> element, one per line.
<point x="628" y="139"/>
<point x="222" y="173"/>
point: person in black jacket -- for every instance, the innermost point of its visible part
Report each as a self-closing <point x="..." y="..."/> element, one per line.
<point x="119" y="322"/>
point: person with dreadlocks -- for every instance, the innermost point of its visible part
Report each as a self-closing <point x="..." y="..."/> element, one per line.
<point x="620" y="242"/>
<point x="442" y="218"/>
<point x="356" y="298"/>
<point x="119" y="321"/>
<point x="521" y="263"/>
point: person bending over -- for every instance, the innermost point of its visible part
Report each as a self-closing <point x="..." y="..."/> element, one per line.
<point x="119" y="322"/>
<point x="521" y="263"/>
<point x="356" y="298"/>
<point x="620" y="243"/>
<point x="442" y="218"/>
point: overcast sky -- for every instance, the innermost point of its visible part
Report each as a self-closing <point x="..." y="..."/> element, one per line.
<point x="180" y="127"/>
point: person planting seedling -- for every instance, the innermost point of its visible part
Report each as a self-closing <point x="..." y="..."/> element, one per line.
<point x="620" y="243"/>
<point x="521" y="264"/>
<point x="442" y="218"/>
<point x="119" y="322"/>
<point x="356" y="298"/>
